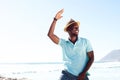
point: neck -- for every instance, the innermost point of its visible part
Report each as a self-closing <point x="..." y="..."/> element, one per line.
<point x="73" y="39"/>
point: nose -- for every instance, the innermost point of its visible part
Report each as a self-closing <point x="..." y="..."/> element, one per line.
<point x="76" y="28"/>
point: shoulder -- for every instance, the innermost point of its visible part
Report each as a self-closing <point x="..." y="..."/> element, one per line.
<point x="83" y="39"/>
<point x="87" y="43"/>
<point x="62" y="41"/>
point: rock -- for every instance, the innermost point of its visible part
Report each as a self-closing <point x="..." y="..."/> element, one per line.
<point x="113" y="56"/>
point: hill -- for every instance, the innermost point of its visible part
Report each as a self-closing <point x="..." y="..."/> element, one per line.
<point x="113" y="56"/>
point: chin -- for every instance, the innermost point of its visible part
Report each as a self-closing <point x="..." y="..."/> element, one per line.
<point x="75" y="34"/>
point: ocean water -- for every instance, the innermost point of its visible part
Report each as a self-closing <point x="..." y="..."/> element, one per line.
<point x="52" y="71"/>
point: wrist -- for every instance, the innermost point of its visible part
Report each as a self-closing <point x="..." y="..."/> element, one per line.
<point x="82" y="73"/>
<point x="55" y="19"/>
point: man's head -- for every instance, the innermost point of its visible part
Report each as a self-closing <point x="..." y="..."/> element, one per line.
<point x="72" y="27"/>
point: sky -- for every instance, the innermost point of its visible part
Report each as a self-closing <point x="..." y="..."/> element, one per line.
<point x="24" y="25"/>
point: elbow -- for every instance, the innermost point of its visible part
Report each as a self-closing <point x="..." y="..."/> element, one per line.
<point x="92" y="59"/>
<point x="49" y="35"/>
<point x="91" y="56"/>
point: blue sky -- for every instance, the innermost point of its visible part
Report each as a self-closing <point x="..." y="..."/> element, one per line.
<point x="24" y="25"/>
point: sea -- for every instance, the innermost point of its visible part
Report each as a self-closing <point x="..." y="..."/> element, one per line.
<point x="52" y="70"/>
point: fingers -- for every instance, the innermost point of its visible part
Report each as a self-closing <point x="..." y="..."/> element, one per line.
<point x="61" y="11"/>
<point x="58" y="15"/>
<point x="61" y="17"/>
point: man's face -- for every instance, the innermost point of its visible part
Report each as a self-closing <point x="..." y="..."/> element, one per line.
<point x="74" y="30"/>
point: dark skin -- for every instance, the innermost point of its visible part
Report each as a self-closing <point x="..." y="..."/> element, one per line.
<point x="73" y="33"/>
<point x="73" y="36"/>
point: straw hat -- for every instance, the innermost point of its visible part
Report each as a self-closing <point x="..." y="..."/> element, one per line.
<point x="70" y="23"/>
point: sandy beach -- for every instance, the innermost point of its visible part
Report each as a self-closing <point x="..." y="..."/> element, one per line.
<point x="9" y="78"/>
<point x="105" y="71"/>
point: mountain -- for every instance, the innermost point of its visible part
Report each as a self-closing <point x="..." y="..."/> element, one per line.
<point x="113" y="56"/>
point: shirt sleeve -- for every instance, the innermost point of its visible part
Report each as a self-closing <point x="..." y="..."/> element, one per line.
<point x="61" y="42"/>
<point x="89" y="46"/>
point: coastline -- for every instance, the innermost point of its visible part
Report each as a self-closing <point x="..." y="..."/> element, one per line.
<point x="10" y="78"/>
<point x="53" y="71"/>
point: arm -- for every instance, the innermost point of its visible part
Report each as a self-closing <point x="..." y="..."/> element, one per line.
<point x="91" y="59"/>
<point x="51" y="34"/>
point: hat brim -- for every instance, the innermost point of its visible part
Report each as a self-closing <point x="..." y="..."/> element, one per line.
<point x="65" y="29"/>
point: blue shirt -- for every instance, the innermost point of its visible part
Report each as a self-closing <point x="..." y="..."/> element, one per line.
<point x="75" y="55"/>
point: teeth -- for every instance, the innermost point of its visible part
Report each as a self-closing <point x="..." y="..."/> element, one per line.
<point x="76" y="31"/>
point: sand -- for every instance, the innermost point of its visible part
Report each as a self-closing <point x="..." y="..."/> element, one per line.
<point x="8" y="78"/>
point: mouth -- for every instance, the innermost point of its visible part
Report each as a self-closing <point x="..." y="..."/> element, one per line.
<point x="77" y="31"/>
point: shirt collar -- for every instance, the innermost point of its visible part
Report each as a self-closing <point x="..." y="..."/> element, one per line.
<point x="75" y="42"/>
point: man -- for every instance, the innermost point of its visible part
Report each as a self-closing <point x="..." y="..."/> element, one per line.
<point x="77" y="52"/>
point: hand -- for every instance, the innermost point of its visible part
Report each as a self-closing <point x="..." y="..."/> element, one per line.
<point x="58" y="15"/>
<point x="81" y="76"/>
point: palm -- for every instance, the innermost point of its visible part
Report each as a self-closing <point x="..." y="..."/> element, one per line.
<point x="58" y="15"/>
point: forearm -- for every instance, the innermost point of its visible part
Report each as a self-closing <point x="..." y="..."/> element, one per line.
<point x="51" y="34"/>
<point x="88" y="65"/>
<point x="83" y="74"/>
<point x="52" y="28"/>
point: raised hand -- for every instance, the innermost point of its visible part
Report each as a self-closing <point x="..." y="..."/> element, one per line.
<point x="59" y="13"/>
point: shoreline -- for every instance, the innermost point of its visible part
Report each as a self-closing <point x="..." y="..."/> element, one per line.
<point x="10" y="78"/>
